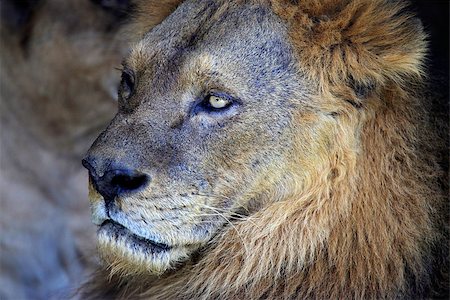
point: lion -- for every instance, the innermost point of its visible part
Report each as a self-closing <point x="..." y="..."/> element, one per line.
<point x="270" y="149"/>
<point x="57" y="59"/>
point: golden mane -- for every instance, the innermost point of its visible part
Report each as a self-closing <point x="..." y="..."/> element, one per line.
<point x="365" y="224"/>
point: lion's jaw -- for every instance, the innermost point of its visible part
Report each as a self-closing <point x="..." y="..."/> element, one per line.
<point x="138" y="255"/>
<point x="130" y="248"/>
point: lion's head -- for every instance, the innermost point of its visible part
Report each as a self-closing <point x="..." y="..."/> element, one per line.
<point x="250" y="128"/>
<point x="208" y="129"/>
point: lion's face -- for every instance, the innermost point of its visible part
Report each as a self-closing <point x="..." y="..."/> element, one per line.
<point x="212" y="113"/>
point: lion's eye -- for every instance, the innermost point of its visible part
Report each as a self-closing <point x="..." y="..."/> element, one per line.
<point x="217" y="102"/>
<point x="126" y="85"/>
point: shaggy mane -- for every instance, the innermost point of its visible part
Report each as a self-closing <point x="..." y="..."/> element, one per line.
<point x="365" y="224"/>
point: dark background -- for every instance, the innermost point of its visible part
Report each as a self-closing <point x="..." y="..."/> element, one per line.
<point x="435" y="18"/>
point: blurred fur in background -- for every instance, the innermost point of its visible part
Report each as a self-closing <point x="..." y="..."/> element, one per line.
<point x="58" y="88"/>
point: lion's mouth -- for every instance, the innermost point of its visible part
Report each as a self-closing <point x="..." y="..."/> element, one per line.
<point x="118" y="232"/>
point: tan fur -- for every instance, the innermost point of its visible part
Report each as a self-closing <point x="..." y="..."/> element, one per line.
<point x="362" y="215"/>
<point x="150" y="14"/>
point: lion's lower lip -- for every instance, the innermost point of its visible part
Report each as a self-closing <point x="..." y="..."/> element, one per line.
<point x="118" y="231"/>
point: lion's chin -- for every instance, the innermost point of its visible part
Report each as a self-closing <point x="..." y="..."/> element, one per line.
<point x="128" y="254"/>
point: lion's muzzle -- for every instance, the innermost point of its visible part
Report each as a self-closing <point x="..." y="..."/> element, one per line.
<point x="115" y="181"/>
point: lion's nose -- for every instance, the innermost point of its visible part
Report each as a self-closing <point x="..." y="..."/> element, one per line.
<point x="116" y="181"/>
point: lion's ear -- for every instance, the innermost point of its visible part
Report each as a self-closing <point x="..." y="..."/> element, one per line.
<point x="365" y="42"/>
<point x="150" y="13"/>
<point x="118" y="8"/>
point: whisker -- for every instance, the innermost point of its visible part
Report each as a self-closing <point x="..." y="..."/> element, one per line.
<point x="218" y="196"/>
<point x="242" y="217"/>
<point x="237" y="231"/>
<point x="225" y="210"/>
<point x="217" y="213"/>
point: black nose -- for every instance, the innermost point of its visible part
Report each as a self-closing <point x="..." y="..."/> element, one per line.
<point x="116" y="181"/>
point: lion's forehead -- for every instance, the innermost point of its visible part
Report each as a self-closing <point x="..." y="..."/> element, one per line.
<point x="219" y="37"/>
